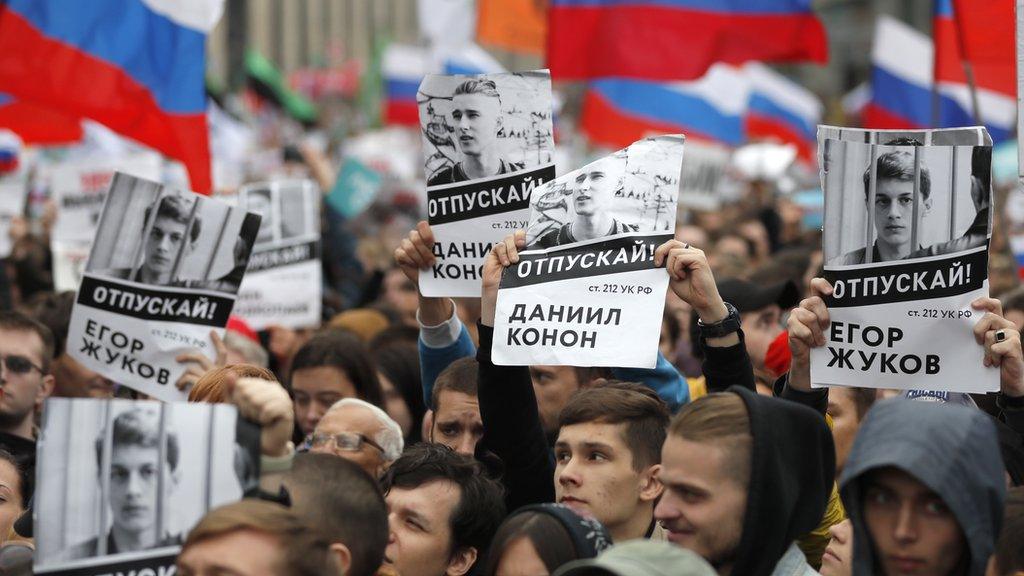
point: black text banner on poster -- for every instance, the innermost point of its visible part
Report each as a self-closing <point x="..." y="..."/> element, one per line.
<point x="147" y="304"/>
<point x="160" y="564"/>
<point x="908" y="281"/>
<point x="284" y="256"/>
<point x="478" y="199"/>
<point x="624" y="254"/>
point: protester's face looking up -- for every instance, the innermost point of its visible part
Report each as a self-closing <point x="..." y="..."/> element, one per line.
<point x="553" y="386"/>
<point x="845" y="422"/>
<point x="420" y="543"/>
<point x="134" y="482"/>
<point x="760" y="328"/>
<point x="894" y="212"/>
<point x="316" y="390"/>
<point x="594" y="188"/>
<point x="912" y="529"/>
<point x="838" y="556"/>
<point x="11" y="501"/>
<point x="167" y="238"/>
<point x="236" y="553"/>
<point x="24" y="391"/>
<point x="703" y="504"/>
<point x="457" y="422"/>
<point x="594" y="472"/>
<point x="353" y="420"/>
<point x="477" y="119"/>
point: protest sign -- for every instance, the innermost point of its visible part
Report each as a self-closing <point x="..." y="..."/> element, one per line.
<point x="162" y="273"/>
<point x="596" y="301"/>
<point x="355" y="189"/>
<point x="906" y="235"/>
<point x="78" y="190"/>
<point x="13" y="194"/>
<point x="120" y="483"/>
<point x="488" y="144"/>
<point x="282" y="284"/>
<point x="703" y="175"/>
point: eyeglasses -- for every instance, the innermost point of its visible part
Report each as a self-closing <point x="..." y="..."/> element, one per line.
<point x="19" y="364"/>
<point x="347" y="441"/>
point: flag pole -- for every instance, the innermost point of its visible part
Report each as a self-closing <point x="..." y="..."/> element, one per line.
<point x="968" y="67"/>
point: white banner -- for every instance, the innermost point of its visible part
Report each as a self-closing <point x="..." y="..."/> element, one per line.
<point x="586" y="292"/>
<point x="906" y="234"/>
<point x="282" y="285"/>
<point x="162" y="273"/>
<point x="704" y="173"/>
<point x="487" y="144"/>
<point x="78" y="190"/>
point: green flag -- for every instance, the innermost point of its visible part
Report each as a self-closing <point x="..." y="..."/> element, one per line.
<point x="268" y="82"/>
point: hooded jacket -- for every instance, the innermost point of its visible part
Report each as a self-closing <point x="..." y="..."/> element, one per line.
<point x="951" y="449"/>
<point x="791" y="474"/>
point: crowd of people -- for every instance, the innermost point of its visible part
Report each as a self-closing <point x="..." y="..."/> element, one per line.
<point x="392" y="444"/>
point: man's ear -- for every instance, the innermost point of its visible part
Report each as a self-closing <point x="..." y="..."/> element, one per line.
<point x="341" y="553"/>
<point x="461" y="561"/>
<point x="650" y="487"/>
<point x="928" y="204"/>
<point x="45" y="389"/>
<point x="428" y="426"/>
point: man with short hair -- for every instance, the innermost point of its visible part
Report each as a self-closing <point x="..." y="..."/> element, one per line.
<point x="760" y="309"/>
<point x="745" y="476"/>
<point x="256" y="538"/>
<point x="456" y="420"/>
<point x="26" y="352"/>
<point x="443" y="511"/>
<point x="331" y="366"/>
<point x="346" y="504"/>
<point x="172" y="234"/>
<point x="71" y="379"/>
<point x="135" y="477"/>
<point x="359" y="432"/>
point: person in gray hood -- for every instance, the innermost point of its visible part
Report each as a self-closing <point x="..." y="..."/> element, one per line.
<point x="924" y="487"/>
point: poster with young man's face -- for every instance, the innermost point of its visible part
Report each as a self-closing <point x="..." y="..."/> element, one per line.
<point x="907" y="223"/>
<point x="585" y="292"/>
<point x="153" y="470"/>
<point x="487" y="143"/>
<point x="163" y="272"/>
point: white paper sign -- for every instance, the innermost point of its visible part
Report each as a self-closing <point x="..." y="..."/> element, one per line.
<point x="13" y="193"/>
<point x="908" y="220"/>
<point x="162" y="273"/>
<point x="282" y="285"/>
<point x="488" y="144"/>
<point x="586" y="292"/>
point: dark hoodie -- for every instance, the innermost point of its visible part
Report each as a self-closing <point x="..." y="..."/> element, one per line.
<point x="951" y="449"/>
<point x="791" y="478"/>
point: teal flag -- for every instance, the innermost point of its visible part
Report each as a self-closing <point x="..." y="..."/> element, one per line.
<point x="355" y="188"/>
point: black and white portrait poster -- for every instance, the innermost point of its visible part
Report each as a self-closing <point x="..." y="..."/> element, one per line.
<point x="908" y="218"/>
<point x="488" y="144"/>
<point x="163" y="271"/>
<point x="282" y="285"/>
<point x="120" y="483"/>
<point x="586" y="292"/>
<point x="78" y="189"/>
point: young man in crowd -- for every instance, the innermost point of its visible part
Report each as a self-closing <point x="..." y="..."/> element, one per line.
<point x="331" y="366"/>
<point x="26" y="352"/>
<point x="256" y="538"/>
<point x="456" y="419"/>
<point x="761" y="309"/>
<point x="70" y="378"/>
<point x="443" y="510"/>
<point x="359" y="432"/>
<point x="339" y="498"/>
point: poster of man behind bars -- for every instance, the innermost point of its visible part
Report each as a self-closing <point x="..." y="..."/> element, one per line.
<point x="163" y="271"/>
<point x="906" y="231"/>
<point x="121" y="482"/>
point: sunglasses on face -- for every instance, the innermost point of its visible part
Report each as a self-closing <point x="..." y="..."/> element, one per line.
<point x="347" y="441"/>
<point x="19" y="364"/>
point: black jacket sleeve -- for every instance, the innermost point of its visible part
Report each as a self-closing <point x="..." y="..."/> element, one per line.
<point x="512" y="428"/>
<point x="816" y="399"/>
<point x="729" y="366"/>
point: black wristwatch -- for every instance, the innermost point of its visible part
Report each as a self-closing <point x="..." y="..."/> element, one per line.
<point x="724" y="327"/>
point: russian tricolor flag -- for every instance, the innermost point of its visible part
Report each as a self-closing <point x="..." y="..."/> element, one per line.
<point x="780" y="109"/>
<point x="677" y="39"/>
<point x="137" y="66"/>
<point x="617" y="112"/>
<point x="38" y="124"/>
<point x="901" y="87"/>
<point x="403" y="68"/>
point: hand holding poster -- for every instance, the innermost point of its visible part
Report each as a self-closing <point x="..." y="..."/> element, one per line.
<point x="282" y="284"/>
<point x="122" y="482"/>
<point x="488" y="143"/>
<point x="162" y="272"/>
<point x="907" y="227"/>
<point x="586" y="293"/>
